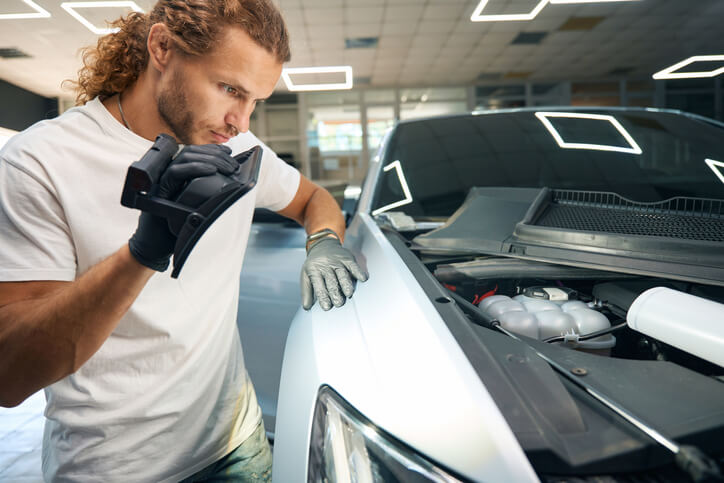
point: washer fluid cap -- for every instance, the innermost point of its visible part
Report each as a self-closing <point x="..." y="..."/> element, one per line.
<point x="554" y="294"/>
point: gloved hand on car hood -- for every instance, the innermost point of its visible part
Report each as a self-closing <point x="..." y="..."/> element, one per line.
<point x="152" y="244"/>
<point x="326" y="274"/>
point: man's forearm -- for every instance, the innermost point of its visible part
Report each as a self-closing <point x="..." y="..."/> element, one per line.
<point x="322" y="212"/>
<point x="47" y="338"/>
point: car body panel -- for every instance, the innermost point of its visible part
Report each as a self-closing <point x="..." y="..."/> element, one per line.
<point x="391" y="356"/>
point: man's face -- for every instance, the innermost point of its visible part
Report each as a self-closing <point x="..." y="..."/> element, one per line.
<point x="209" y="99"/>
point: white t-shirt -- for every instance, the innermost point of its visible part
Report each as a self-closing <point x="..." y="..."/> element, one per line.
<point x="167" y="393"/>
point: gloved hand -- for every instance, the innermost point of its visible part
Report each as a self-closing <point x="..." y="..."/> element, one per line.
<point x="152" y="244"/>
<point x="326" y="274"/>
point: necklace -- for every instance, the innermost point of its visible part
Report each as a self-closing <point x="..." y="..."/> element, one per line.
<point x="123" y="117"/>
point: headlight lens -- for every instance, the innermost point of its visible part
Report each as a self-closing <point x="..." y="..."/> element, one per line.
<point x="346" y="448"/>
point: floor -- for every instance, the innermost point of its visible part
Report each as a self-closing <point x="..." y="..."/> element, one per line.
<point x="21" y="436"/>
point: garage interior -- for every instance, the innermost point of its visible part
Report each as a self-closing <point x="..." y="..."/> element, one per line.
<point x="389" y="61"/>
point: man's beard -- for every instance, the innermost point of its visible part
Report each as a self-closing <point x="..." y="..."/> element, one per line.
<point x="172" y="107"/>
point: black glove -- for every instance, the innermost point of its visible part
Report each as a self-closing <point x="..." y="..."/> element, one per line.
<point x="326" y="274"/>
<point x="152" y="244"/>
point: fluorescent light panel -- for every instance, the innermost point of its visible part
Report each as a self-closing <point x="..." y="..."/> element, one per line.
<point x="669" y="73"/>
<point x="715" y="166"/>
<point x="543" y="117"/>
<point x="405" y="188"/>
<point x="478" y="16"/>
<point x="345" y="69"/>
<point x="40" y="12"/>
<point x="71" y="6"/>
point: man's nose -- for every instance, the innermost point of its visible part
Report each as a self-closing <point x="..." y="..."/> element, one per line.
<point x="239" y="116"/>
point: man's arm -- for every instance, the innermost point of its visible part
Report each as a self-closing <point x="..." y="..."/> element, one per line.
<point x="329" y="268"/>
<point x="315" y="209"/>
<point x="48" y="330"/>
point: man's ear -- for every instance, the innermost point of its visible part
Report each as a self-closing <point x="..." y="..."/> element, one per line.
<point x="160" y="46"/>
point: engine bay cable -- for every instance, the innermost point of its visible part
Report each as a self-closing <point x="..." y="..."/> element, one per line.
<point x="590" y="335"/>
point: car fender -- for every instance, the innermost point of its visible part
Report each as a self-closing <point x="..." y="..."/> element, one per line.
<point x="391" y="356"/>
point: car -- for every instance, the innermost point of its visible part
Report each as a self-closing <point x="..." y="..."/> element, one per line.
<point x="545" y="303"/>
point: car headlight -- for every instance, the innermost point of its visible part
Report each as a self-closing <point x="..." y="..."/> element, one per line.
<point x="346" y="448"/>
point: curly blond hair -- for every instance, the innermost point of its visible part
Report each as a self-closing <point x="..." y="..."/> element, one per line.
<point x="118" y="59"/>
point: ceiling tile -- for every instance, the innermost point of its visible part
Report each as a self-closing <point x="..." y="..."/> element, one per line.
<point x="323" y="16"/>
<point x="443" y="12"/>
<point x="322" y="3"/>
<point x="398" y="28"/>
<point x="427" y="41"/>
<point x="435" y="27"/>
<point x="293" y="16"/>
<point x="363" y="15"/>
<point x="363" y="30"/>
<point x="406" y="13"/>
<point x="497" y="39"/>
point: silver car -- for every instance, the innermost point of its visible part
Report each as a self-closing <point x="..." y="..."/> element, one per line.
<point x="545" y="303"/>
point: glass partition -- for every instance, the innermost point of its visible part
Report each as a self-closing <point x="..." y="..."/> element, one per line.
<point x="379" y="120"/>
<point x="334" y="137"/>
<point x="436" y="101"/>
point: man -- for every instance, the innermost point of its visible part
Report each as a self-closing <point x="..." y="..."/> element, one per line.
<point x="143" y="374"/>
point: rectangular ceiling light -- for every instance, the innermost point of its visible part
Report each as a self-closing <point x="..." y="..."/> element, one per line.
<point x="717" y="167"/>
<point x="71" y="7"/>
<point x="343" y="69"/>
<point x="632" y="149"/>
<point x="478" y="16"/>
<point x="669" y="72"/>
<point x="38" y="13"/>
<point x="403" y="183"/>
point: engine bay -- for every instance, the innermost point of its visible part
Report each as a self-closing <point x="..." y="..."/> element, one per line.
<point x="566" y="305"/>
<point x="559" y="318"/>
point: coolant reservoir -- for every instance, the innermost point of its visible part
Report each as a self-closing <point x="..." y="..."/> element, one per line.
<point x="685" y="321"/>
<point x="540" y="319"/>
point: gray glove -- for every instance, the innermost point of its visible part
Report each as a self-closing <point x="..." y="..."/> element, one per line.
<point x="152" y="244"/>
<point x="326" y="274"/>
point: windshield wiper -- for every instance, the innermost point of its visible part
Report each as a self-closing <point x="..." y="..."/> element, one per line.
<point x="688" y="458"/>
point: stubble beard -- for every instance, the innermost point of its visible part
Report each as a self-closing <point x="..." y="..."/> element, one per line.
<point x="172" y="107"/>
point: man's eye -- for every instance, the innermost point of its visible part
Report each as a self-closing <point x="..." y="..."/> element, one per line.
<point x="229" y="90"/>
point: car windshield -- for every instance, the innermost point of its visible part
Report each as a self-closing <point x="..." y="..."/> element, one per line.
<point x="643" y="155"/>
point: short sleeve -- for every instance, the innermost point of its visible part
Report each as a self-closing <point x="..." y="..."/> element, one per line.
<point x="278" y="182"/>
<point x="34" y="236"/>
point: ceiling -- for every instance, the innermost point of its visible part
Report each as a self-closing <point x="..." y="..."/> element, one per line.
<point x="420" y="42"/>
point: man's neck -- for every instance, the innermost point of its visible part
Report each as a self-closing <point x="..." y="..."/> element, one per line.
<point x="139" y="109"/>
